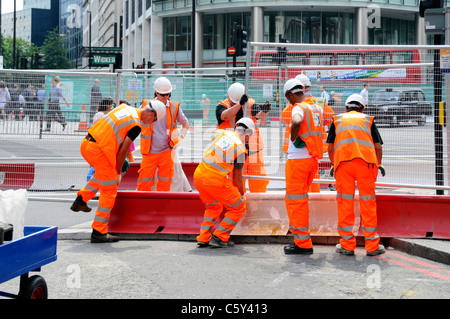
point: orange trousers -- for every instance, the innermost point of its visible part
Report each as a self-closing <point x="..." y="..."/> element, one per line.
<point x="215" y="197"/>
<point x="147" y="173"/>
<point x="103" y="180"/>
<point x="365" y="175"/>
<point x="299" y="176"/>
<point x="254" y="165"/>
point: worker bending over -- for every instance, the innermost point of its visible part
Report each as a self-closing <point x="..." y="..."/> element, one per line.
<point x="105" y="148"/>
<point x="218" y="179"/>
<point x="305" y="150"/>
<point x="354" y="148"/>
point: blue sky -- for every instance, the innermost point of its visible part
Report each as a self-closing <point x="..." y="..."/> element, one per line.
<point x="8" y="6"/>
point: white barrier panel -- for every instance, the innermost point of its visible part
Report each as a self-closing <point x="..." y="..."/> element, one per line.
<point x="12" y="209"/>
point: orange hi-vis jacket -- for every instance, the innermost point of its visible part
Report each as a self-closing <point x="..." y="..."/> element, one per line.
<point x="230" y="123"/>
<point x="286" y="116"/>
<point x="110" y="131"/>
<point x="311" y="129"/>
<point x="327" y="118"/>
<point x="147" y="130"/>
<point x="255" y="142"/>
<point x="353" y="138"/>
<point x="218" y="159"/>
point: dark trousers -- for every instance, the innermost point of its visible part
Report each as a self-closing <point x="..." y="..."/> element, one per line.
<point x="54" y="113"/>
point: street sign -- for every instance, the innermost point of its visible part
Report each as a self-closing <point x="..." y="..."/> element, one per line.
<point x="231" y="50"/>
<point x="101" y="59"/>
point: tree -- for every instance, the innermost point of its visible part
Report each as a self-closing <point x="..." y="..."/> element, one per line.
<point x="25" y="48"/>
<point x="55" y="52"/>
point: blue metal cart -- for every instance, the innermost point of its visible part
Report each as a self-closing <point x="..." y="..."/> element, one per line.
<point x="29" y="253"/>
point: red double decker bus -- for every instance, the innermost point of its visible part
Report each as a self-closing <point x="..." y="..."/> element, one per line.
<point x="370" y="65"/>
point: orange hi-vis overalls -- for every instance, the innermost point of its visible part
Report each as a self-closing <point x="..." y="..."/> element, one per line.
<point x="254" y="165"/>
<point x="286" y="116"/>
<point x="355" y="160"/>
<point x="161" y="161"/>
<point x="214" y="182"/>
<point x="108" y="134"/>
<point x="300" y="174"/>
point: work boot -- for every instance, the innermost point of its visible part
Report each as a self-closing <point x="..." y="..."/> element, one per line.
<point x="219" y="243"/>
<point x="202" y="244"/>
<point x="380" y="250"/>
<point x="79" y="204"/>
<point x="293" y="249"/>
<point x="97" y="237"/>
<point x="344" y="251"/>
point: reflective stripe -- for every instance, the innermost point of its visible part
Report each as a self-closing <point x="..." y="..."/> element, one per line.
<point x="301" y="237"/>
<point x="101" y="219"/>
<point x="230" y="221"/>
<point x="209" y="219"/>
<point x="104" y="210"/>
<point x="223" y="229"/>
<point x="207" y="227"/>
<point x="146" y="137"/>
<point x="348" y="237"/>
<point x="373" y="238"/>
<point x="91" y="188"/>
<point x="297" y="196"/>
<point x="163" y="178"/>
<point x="345" y="196"/>
<point x="111" y="182"/>
<point x="354" y="140"/>
<point x="304" y="229"/>
<point x="211" y="204"/>
<point x="345" y="228"/>
<point x="145" y="179"/>
<point x="239" y="202"/>
<point x="215" y="165"/>
<point x="355" y="127"/>
<point x="369" y="229"/>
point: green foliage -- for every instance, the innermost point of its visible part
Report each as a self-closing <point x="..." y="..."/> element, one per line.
<point x="55" y="52"/>
<point x="25" y="49"/>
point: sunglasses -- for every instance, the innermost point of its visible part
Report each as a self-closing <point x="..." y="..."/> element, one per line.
<point x="166" y="94"/>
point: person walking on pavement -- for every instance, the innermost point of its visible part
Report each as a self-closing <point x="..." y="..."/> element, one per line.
<point x="355" y="151"/>
<point x="305" y="150"/>
<point x="54" y="110"/>
<point x="95" y="98"/>
<point x="218" y="179"/>
<point x="158" y="142"/>
<point x="105" y="148"/>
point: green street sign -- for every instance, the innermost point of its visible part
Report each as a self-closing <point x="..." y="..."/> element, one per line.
<point x="101" y="59"/>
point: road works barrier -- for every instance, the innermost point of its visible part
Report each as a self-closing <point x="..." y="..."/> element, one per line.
<point x="399" y="216"/>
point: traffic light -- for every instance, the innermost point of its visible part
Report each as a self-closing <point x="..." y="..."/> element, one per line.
<point x="150" y="65"/>
<point x="429" y="4"/>
<point x="39" y="60"/>
<point x="139" y="66"/>
<point x="282" y="51"/>
<point x="23" y="63"/>
<point x="241" y="41"/>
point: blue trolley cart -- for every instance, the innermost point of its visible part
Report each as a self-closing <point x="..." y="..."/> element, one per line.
<point x="29" y="253"/>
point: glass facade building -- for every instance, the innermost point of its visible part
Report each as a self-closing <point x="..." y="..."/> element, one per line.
<point x="71" y="28"/>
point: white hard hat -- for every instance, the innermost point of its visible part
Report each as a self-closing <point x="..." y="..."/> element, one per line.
<point x="203" y="96"/>
<point x="159" y="107"/>
<point x="235" y="91"/>
<point x="355" y="98"/>
<point x="293" y="86"/>
<point x="249" y="124"/>
<point x="303" y="79"/>
<point x="162" y="85"/>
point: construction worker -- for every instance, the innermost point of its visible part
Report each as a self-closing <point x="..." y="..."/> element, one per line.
<point x="231" y="110"/>
<point x="354" y="147"/>
<point x="105" y="148"/>
<point x="218" y="179"/>
<point x="159" y="140"/>
<point x="327" y="119"/>
<point x="305" y="150"/>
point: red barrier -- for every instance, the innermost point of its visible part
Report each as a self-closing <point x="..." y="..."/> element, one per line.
<point x="406" y="216"/>
<point x="413" y="216"/>
<point x="16" y="176"/>
<point x="129" y="180"/>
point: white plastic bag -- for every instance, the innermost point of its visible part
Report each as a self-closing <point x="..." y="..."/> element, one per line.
<point x="12" y="209"/>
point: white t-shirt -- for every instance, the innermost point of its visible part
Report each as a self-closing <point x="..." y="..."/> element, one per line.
<point x="294" y="152"/>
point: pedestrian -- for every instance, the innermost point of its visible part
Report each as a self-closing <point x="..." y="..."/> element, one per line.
<point x="158" y="142"/>
<point x="54" y="109"/>
<point x="324" y="94"/>
<point x="365" y="93"/>
<point x="41" y="99"/>
<point x="305" y="150"/>
<point x="12" y="110"/>
<point x="218" y="179"/>
<point x="355" y="151"/>
<point x="206" y="104"/>
<point x="105" y="148"/>
<point x="4" y="99"/>
<point x="94" y="98"/>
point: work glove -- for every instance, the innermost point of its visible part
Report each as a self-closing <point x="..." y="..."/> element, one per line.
<point x="243" y="100"/>
<point x="332" y="171"/>
<point x="299" y="143"/>
<point x="125" y="166"/>
<point x="266" y="107"/>
<point x="382" y="170"/>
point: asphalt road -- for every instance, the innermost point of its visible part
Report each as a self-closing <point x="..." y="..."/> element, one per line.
<point x="177" y="269"/>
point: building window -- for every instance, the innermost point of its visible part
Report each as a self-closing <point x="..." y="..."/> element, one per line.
<point x="177" y="33"/>
<point x="393" y="31"/>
